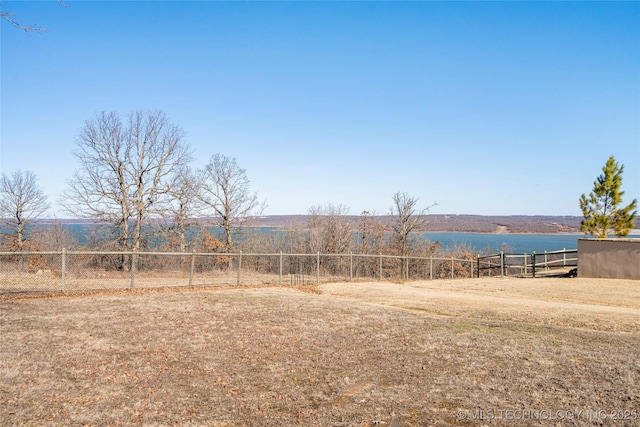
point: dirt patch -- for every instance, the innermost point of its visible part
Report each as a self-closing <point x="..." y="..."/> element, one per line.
<point x="470" y="352"/>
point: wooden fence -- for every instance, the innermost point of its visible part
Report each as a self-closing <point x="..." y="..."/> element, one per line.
<point x="525" y="265"/>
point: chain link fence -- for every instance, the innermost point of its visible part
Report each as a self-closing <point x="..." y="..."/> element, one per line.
<point x="75" y="271"/>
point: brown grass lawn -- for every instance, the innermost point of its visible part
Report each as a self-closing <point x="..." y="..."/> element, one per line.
<point x="465" y="352"/>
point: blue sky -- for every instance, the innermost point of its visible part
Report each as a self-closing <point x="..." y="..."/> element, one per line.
<point x="493" y="108"/>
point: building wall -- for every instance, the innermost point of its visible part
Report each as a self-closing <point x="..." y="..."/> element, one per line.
<point x="609" y="258"/>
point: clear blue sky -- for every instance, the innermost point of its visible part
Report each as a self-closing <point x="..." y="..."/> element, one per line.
<point x="493" y="108"/>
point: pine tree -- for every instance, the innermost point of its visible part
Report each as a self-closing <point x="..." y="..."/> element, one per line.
<point x="602" y="215"/>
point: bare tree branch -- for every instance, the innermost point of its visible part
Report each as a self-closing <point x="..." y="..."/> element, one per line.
<point x="8" y="16"/>
<point x="27" y="28"/>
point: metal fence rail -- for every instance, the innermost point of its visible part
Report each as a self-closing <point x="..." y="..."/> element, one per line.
<point x="503" y="264"/>
<point x="72" y="271"/>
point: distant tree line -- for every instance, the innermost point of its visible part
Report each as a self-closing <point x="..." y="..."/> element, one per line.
<point x="134" y="181"/>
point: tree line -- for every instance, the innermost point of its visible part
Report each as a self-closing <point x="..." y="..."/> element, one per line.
<point x="134" y="178"/>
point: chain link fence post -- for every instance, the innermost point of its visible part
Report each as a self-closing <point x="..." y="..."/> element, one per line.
<point x="63" y="273"/>
<point x="133" y="268"/>
<point x="406" y="268"/>
<point x="351" y="266"/>
<point x="193" y="266"/>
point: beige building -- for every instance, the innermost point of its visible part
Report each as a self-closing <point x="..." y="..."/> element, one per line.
<point x="609" y="258"/>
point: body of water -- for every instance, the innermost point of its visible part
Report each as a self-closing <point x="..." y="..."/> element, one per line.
<point x="511" y="243"/>
<point x="477" y="242"/>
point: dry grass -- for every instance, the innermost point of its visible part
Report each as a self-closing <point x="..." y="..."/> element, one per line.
<point x="602" y="305"/>
<point x="16" y="285"/>
<point x="428" y="353"/>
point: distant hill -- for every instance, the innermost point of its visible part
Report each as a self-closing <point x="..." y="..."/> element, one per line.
<point x="435" y="223"/>
<point x="459" y="223"/>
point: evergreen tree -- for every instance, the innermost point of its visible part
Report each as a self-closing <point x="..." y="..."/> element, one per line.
<point x="602" y="215"/>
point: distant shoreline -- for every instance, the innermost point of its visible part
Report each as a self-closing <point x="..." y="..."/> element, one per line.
<point x="442" y="223"/>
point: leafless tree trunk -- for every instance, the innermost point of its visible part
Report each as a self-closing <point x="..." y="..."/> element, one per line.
<point x="407" y="218"/>
<point x="126" y="173"/>
<point x="223" y="192"/>
<point x="22" y="202"/>
<point x="181" y="213"/>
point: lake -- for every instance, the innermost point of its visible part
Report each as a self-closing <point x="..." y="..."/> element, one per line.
<point x="513" y="243"/>
<point x="477" y="242"/>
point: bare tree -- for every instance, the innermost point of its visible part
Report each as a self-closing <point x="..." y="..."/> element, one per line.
<point x="180" y="214"/>
<point x="329" y="232"/>
<point x="22" y="202"/>
<point x="407" y="218"/>
<point x="223" y="192"/>
<point x="55" y="237"/>
<point x="329" y="229"/>
<point x="126" y="173"/>
<point x="371" y="232"/>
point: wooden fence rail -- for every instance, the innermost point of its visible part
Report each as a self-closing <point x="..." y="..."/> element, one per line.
<point x="503" y="264"/>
